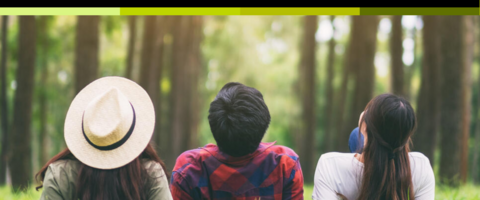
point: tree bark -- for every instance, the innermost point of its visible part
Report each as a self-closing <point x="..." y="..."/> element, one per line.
<point x="468" y="48"/>
<point x="476" y="143"/>
<point x="42" y="98"/>
<point x="179" y="92"/>
<point x="151" y="66"/>
<point x="20" y="165"/>
<point x="328" y="141"/>
<point x="307" y="91"/>
<point x="396" y="53"/>
<point x="86" y="51"/>
<point x="3" y="103"/>
<point x="184" y="78"/>
<point x="196" y="65"/>
<point x="453" y="68"/>
<point x="132" y="27"/>
<point x="428" y="110"/>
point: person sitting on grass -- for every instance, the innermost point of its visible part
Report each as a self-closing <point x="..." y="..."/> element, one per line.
<point x="108" y="157"/>
<point x="386" y="169"/>
<point x="239" y="166"/>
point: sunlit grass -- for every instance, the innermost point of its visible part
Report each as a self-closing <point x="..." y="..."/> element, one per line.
<point x="7" y="194"/>
<point x="467" y="192"/>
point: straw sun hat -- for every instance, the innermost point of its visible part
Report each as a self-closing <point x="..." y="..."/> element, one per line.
<point x="109" y="123"/>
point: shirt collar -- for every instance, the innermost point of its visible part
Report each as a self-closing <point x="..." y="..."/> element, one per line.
<point x="225" y="158"/>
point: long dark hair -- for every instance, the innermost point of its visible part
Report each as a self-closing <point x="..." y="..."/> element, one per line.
<point x="127" y="182"/>
<point x="390" y="121"/>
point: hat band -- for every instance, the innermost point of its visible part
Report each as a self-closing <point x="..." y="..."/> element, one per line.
<point x="116" y="144"/>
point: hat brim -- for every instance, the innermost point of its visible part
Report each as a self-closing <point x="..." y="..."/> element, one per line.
<point x="136" y="143"/>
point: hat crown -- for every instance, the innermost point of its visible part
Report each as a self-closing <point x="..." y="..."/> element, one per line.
<point x="107" y="118"/>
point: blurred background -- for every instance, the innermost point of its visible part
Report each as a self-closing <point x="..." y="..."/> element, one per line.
<point x="317" y="73"/>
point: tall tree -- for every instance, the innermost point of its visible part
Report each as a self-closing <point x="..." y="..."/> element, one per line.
<point x="396" y="52"/>
<point x="165" y="139"/>
<point x="3" y="102"/>
<point x="184" y="75"/>
<point x="476" y="114"/>
<point x="428" y="110"/>
<point x="361" y="54"/>
<point x="20" y="164"/>
<point x="453" y="71"/>
<point x="132" y="30"/>
<point x="42" y="97"/>
<point x="307" y="91"/>
<point x="86" y="51"/>
<point x="328" y="141"/>
<point x="151" y="65"/>
<point x="195" y="62"/>
<point x="468" y="42"/>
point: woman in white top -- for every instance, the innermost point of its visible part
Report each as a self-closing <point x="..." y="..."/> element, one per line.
<point x="386" y="169"/>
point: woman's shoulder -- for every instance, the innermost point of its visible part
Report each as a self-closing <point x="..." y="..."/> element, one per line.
<point x="337" y="161"/>
<point x="336" y="156"/>
<point x="153" y="167"/>
<point x="418" y="155"/>
<point x="64" y="165"/>
<point x="419" y="160"/>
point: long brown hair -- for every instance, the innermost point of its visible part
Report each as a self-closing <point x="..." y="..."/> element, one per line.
<point x="390" y="121"/>
<point x="127" y="182"/>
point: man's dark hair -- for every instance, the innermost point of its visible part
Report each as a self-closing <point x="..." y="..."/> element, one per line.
<point x="238" y="119"/>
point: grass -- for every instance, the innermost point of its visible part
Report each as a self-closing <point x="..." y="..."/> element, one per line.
<point x="466" y="192"/>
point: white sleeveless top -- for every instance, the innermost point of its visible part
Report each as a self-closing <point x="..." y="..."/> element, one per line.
<point x="342" y="172"/>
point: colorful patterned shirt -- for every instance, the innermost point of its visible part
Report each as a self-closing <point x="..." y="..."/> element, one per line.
<point x="271" y="172"/>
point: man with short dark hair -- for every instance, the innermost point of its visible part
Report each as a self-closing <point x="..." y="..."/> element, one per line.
<point x="240" y="166"/>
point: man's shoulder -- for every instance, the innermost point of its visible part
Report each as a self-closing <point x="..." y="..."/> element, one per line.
<point x="284" y="151"/>
<point x="190" y="157"/>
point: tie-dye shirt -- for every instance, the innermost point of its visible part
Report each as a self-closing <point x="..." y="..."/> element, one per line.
<point x="271" y="172"/>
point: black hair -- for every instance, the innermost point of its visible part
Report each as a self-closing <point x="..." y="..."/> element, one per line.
<point x="238" y="118"/>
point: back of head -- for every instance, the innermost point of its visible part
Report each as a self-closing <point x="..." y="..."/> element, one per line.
<point x="390" y="122"/>
<point x="238" y="118"/>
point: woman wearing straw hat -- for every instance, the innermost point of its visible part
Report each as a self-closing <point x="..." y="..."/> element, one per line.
<point x="108" y="128"/>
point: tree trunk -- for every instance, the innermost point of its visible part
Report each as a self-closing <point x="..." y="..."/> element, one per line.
<point x="132" y="27"/>
<point x="42" y="98"/>
<point x="428" y="110"/>
<point x="453" y="66"/>
<point x="178" y="92"/>
<point x="307" y="91"/>
<point x="166" y="136"/>
<point x="476" y="143"/>
<point x="468" y="41"/>
<point x="361" y="60"/>
<point x="184" y="74"/>
<point x="195" y="64"/>
<point x="148" y="46"/>
<point x="396" y="53"/>
<point x="151" y="65"/>
<point x="86" y="51"/>
<point x="21" y="148"/>
<point x="328" y="142"/>
<point x="3" y="103"/>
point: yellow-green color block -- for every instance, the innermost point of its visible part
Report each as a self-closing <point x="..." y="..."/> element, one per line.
<point x="300" y="11"/>
<point x="419" y="11"/>
<point x="59" y="11"/>
<point x="180" y="11"/>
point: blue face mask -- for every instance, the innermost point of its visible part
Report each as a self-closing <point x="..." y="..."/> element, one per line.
<point x="353" y="142"/>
